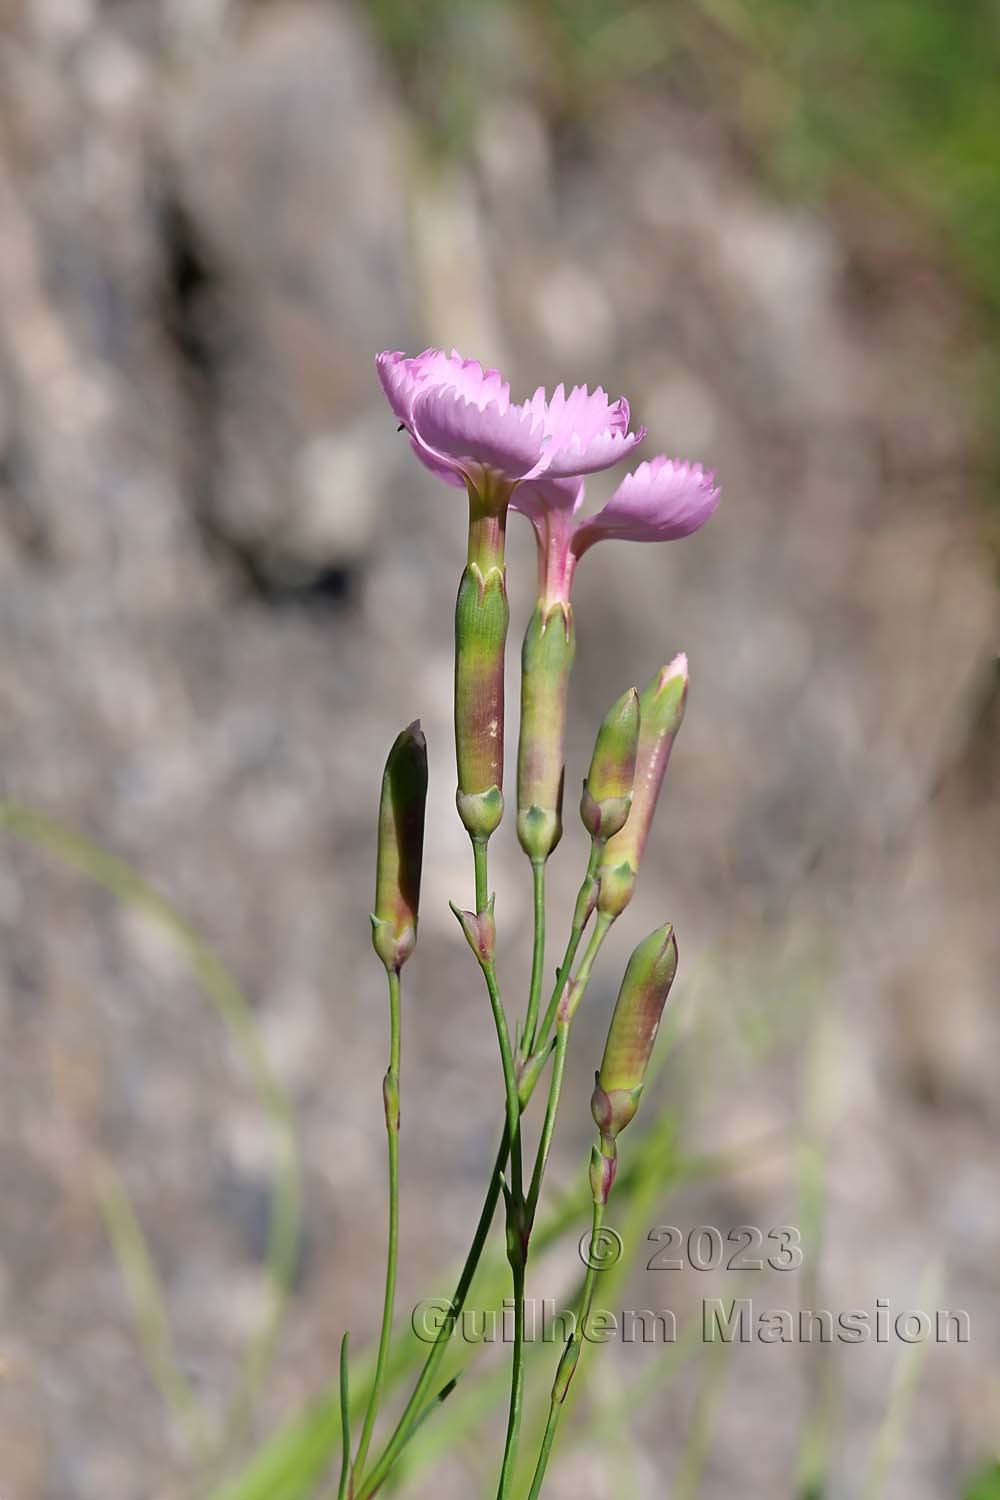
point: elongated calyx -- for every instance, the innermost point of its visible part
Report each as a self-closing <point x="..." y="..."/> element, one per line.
<point x="661" y="711"/>
<point x="481" y="618"/>
<point x="546" y="663"/>
<point x="632" y="1032"/>
<point x="400" y="848"/>
<point x="607" y="791"/>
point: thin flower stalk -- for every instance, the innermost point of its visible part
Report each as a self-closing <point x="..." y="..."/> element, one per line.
<point x="570" y="1358"/>
<point x="604" y="810"/>
<point x="480" y="932"/>
<point x="563" y="1024"/>
<point x="402" y="809"/>
<point x="618" y="1089"/>
<point x="416" y="1406"/>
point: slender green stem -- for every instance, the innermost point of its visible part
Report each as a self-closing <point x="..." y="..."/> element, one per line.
<point x="568" y="1362"/>
<point x="537" y="955"/>
<point x="548" y="1438"/>
<point x="509" y="1076"/>
<point x="412" y="1414"/>
<point x="343" y="1489"/>
<point x="523" y="1220"/>
<point x="516" y="1381"/>
<point x="581" y="916"/>
<point x="515" y="1196"/>
<point x="391" y="1098"/>
<point x="551" y="1109"/>
<point x="414" y="1407"/>
<point x="482" y="881"/>
<point x="558" y="1067"/>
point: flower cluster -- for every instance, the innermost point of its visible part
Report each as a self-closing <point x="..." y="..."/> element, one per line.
<point x="533" y="458"/>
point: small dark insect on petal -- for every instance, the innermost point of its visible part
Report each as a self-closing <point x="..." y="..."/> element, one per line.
<point x="401" y="427"/>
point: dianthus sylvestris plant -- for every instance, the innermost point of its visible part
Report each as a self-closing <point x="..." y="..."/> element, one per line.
<point x="531" y="458"/>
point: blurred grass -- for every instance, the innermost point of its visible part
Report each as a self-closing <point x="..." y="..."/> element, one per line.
<point x="985" y="1485"/>
<point x="906" y="1372"/>
<point x="904" y="92"/>
<point x="212" y="1448"/>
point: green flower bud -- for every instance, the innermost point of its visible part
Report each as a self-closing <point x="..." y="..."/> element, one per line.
<point x="607" y="791"/>
<point x="546" y="661"/>
<point x="400" y="848"/>
<point x="661" y="710"/>
<point x="632" y="1032"/>
<point x="481" y="618"/>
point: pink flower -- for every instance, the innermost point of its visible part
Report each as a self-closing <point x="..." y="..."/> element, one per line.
<point x="464" y="427"/>
<point x="659" y="502"/>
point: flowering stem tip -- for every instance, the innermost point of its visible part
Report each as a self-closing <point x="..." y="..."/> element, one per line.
<point x="531" y="458"/>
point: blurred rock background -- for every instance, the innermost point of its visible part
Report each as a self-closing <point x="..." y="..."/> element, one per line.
<point x="226" y="584"/>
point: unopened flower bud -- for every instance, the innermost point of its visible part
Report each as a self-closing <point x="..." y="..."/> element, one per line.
<point x="661" y="710"/>
<point x="546" y="662"/>
<point x="400" y="848"/>
<point x="632" y="1032"/>
<point x="607" y="791"/>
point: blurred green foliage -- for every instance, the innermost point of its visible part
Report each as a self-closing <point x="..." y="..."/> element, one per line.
<point x="986" y="1484"/>
<point x="904" y="92"/>
<point x="836" y="99"/>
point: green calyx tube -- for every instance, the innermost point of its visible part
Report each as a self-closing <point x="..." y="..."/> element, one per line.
<point x="546" y="662"/>
<point x="482" y="615"/>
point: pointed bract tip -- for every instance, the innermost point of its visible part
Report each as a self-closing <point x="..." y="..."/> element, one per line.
<point x="479" y="929"/>
<point x="669" y="943"/>
<point x="676" y="668"/>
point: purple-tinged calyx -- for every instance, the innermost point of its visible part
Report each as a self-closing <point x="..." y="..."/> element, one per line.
<point x="546" y="662"/>
<point x="661" y="711"/>
<point x="607" y="790"/>
<point x="400" y="848"/>
<point x="632" y="1032"/>
<point x="482" y="615"/>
